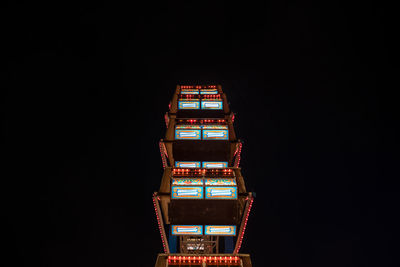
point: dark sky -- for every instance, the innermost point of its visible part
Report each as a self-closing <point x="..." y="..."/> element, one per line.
<point x="87" y="85"/>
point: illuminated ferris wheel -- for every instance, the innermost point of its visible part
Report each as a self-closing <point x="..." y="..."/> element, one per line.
<point x="202" y="206"/>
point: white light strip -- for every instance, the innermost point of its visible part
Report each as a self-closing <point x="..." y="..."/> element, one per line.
<point x="225" y="230"/>
<point x="221" y="192"/>
<point x="186" y="134"/>
<point x="211" y="105"/>
<point x="215" y="134"/>
<point x="187" y="165"/>
<point x="191" y="230"/>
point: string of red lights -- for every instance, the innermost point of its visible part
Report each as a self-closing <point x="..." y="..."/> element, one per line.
<point x="198" y="86"/>
<point x="156" y="209"/>
<point x="166" y="119"/>
<point x="202" y="172"/>
<point x="200" y="121"/>
<point x="163" y="153"/>
<point x="197" y="96"/>
<point x="238" y="152"/>
<point x="232" y="260"/>
<point x="240" y="239"/>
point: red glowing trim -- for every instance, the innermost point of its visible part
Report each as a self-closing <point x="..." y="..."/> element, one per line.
<point x="201" y="121"/>
<point x="202" y="172"/>
<point x="238" y="152"/>
<point x="240" y="239"/>
<point x="163" y="237"/>
<point x="207" y="259"/>
<point x="198" y="86"/>
<point x="166" y="118"/>
<point x="189" y="97"/>
<point x="165" y="149"/>
<point x="216" y="96"/>
<point x="164" y="154"/>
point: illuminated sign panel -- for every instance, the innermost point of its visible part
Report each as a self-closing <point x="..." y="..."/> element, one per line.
<point x="209" y="91"/>
<point x="187" y="104"/>
<point x="221" y="192"/>
<point x="214" y="164"/>
<point x="220" y="181"/>
<point x="189" y="91"/>
<point x="187" y="181"/>
<point x="215" y="134"/>
<point x="229" y="230"/>
<point x="188" y="134"/>
<point x="211" y="104"/>
<point x="187" y="164"/>
<point x="188" y="127"/>
<point x="205" y="132"/>
<point x="187" y="229"/>
<point x="214" y="127"/>
<point x="187" y="192"/>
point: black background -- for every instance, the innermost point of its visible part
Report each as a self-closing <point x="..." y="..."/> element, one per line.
<point x="87" y="85"/>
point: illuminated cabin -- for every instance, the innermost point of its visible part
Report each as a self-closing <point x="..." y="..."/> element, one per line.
<point x="202" y="205"/>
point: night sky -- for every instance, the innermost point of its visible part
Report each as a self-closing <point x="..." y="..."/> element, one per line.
<point x="86" y="87"/>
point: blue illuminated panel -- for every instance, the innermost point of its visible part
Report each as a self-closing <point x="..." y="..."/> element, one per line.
<point x="215" y="134"/>
<point x="188" y="134"/>
<point x="187" y="164"/>
<point x="187" y="229"/>
<point x="189" y="91"/>
<point x="215" y="164"/>
<point x="226" y="192"/>
<point x="208" y="104"/>
<point x="229" y="230"/>
<point x="209" y="91"/>
<point x="187" y="192"/>
<point x="187" y="104"/>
